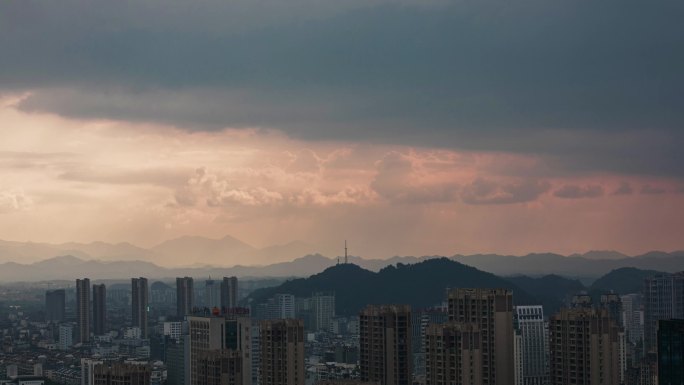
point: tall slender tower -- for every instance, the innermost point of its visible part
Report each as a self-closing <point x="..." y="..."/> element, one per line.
<point x="99" y="309"/>
<point x="185" y="296"/>
<point x="139" y="300"/>
<point x="229" y="292"/>
<point x="346" y="259"/>
<point x="83" y="309"/>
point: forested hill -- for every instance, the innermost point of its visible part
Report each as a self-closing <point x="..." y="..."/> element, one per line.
<point x="421" y="285"/>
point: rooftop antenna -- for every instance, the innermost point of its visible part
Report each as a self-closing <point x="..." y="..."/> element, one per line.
<point x="346" y="260"/>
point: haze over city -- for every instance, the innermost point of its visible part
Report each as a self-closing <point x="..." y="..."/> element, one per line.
<point x="341" y="192"/>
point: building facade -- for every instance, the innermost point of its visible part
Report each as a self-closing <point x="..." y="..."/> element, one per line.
<point x="282" y="352"/>
<point x="633" y="317"/>
<point x="529" y="321"/>
<point x="670" y="336"/>
<point x="453" y="354"/>
<point x="663" y="298"/>
<point x="55" y="305"/>
<point x="121" y="374"/>
<point x="491" y="310"/>
<point x="229" y="293"/>
<point x="185" y="296"/>
<point x="323" y="309"/>
<point x="99" y="309"/>
<point x="385" y="345"/>
<point x="215" y="335"/>
<point x="83" y="310"/>
<point x="139" y="304"/>
<point x="585" y="347"/>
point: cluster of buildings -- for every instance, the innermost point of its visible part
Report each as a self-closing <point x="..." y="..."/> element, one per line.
<point x="475" y="336"/>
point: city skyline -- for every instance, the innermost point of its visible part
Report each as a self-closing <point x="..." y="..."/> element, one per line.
<point x="455" y="128"/>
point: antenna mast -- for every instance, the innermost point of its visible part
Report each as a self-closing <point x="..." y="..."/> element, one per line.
<point x="346" y="261"/>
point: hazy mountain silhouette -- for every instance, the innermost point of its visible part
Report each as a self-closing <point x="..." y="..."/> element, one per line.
<point x="191" y="250"/>
<point x="625" y="280"/>
<point x="572" y="266"/>
<point x="228" y="255"/>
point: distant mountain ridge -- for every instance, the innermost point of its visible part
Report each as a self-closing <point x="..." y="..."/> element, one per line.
<point x="184" y="251"/>
<point x="201" y="256"/>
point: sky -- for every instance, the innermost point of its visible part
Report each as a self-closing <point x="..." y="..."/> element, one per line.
<point x="408" y="127"/>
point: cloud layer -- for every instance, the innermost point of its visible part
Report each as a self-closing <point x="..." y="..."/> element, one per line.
<point x="589" y="85"/>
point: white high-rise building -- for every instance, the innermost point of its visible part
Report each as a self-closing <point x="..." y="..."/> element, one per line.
<point x="633" y="317"/>
<point x="324" y="310"/>
<point x="66" y="336"/>
<point x="87" y="370"/>
<point x="212" y="294"/>
<point x="173" y="329"/>
<point x="533" y="344"/>
<point x="283" y="306"/>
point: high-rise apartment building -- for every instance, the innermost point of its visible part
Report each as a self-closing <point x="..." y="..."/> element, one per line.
<point x="613" y="304"/>
<point x="585" y="347"/>
<point x="54" y="305"/>
<point x="529" y="321"/>
<point x="670" y="343"/>
<point x="211" y="336"/>
<point x="178" y="361"/>
<point x="281" y="306"/>
<point x="99" y="309"/>
<point x="420" y="321"/>
<point x="663" y="298"/>
<point x="120" y="373"/>
<point x="323" y="309"/>
<point x="229" y="292"/>
<point x="185" y="296"/>
<point x="83" y="310"/>
<point x="453" y="354"/>
<point x="212" y="294"/>
<point x="66" y="336"/>
<point x="88" y="370"/>
<point x="221" y="367"/>
<point x="385" y="344"/>
<point x="633" y="317"/>
<point x="282" y="352"/>
<point x="139" y="304"/>
<point x="491" y="310"/>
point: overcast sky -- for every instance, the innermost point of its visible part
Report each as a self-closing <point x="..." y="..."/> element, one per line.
<point x="409" y="127"/>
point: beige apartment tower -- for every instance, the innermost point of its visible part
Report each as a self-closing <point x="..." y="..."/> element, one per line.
<point x="121" y="374"/>
<point x="485" y="316"/>
<point x="453" y="354"/>
<point x="218" y="344"/>
<point x="282" y="352"/>
<point x="585" y="347"/>
<point x="385" y="344"/>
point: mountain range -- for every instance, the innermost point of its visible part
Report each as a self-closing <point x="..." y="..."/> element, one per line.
<point x="187" y="251"/>
<point x="202" y="257"/>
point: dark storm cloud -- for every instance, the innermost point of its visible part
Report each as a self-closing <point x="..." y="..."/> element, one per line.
<point x="585" y="84"/>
